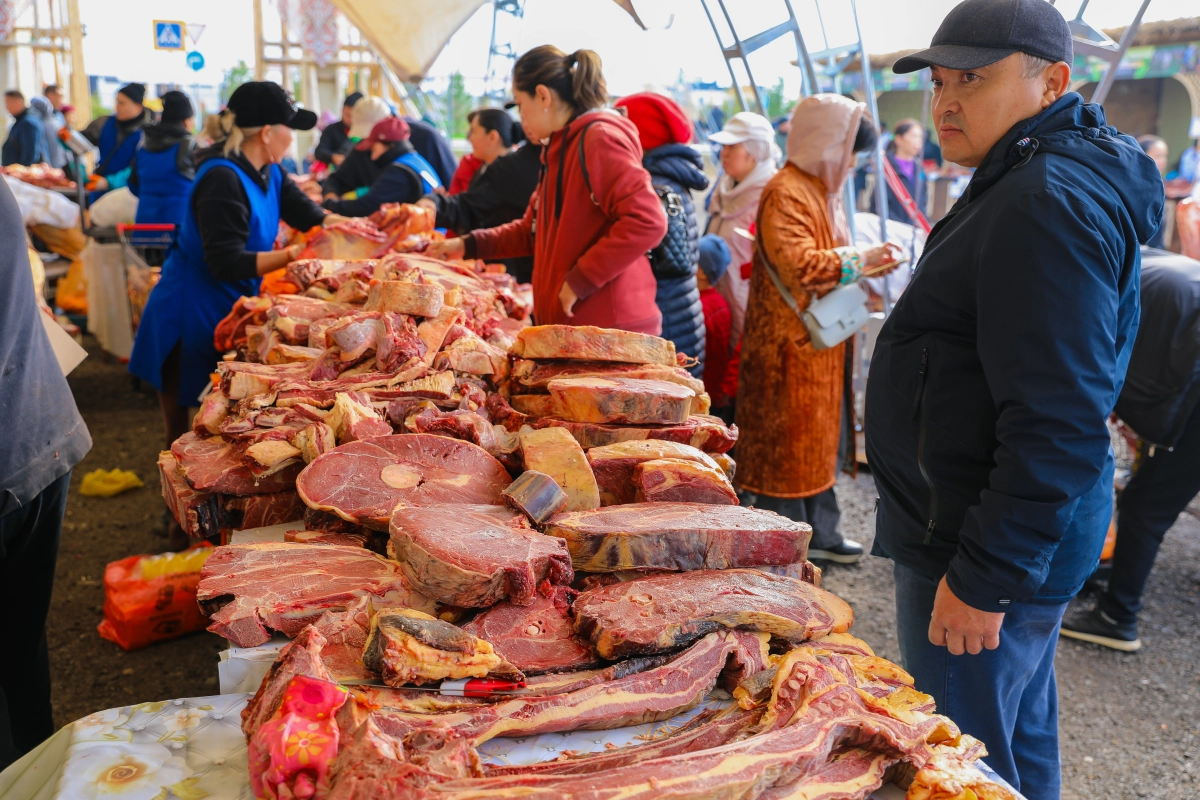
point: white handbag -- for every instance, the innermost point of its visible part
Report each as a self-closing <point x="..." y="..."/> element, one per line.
<point x="831" y="319"/>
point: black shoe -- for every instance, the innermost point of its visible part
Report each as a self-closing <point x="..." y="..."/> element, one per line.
<point x="844" y="552"/>
<point x="1099" y="628"/>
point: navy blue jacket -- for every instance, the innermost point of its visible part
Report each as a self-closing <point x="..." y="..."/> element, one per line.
<point x="400" y="181"/>
<point x="433" y="147"/>
<point x="992" y="379"/>
<point x="26" y="142"/>
<point x="678" y="296"/>
<point x="44" y="435"/>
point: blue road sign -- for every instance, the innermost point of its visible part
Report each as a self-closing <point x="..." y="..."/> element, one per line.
<point x="168" y="35"/>
<point x="195" y="60"/>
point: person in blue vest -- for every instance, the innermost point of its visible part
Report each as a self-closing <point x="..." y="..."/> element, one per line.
<point x="404" y="177"/>
<point x="118" y="137"/>
<point x="164" y="166"/>
<point x="225" y="245"/>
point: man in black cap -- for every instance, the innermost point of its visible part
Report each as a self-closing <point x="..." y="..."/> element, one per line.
<point x="335" y="139"/>
<point x="994" y="375"/>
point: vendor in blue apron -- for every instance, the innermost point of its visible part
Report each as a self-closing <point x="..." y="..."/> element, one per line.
<point x="164" y="166"/>
<point x="224" y="246"/>
<point x="404" y="176"/>
<point x="117" y="137"/>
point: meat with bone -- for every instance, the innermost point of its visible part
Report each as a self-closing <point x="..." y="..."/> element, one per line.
<point x="213" y="411"/>
<point x="396" y="342"/>
<point x="364" y="482"/>
<point x="614" y="465"/>
<point x="662" y="612"/>
<point x="588" y="343"/>
<point x="535" y="638"/>
<point x="352" y="418"/>
<point x="946" y="776"/>
<point x="554" y="452"/>
<point x="679" y="536"/>
<point x="301" y="656"/>
<point x="194" y="511"/>
<point x="375" y="766"/>
<point x="622" y="401"/>
<point x="345" y="632"/>
<point x="211" y="464"/>
<point x="405" y="297"/>
<point x="536" y="495"/>
<point x="852" y="773"/>
<point x="248" y="590"/>
<point x="649" y="696"/>
<point x="474" y="556"/>
<point x="535" y="376"/>
<point x="676" y="480"/>
<point x="406" y="646"/>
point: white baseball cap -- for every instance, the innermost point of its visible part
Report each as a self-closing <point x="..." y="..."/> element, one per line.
<point x="744" y="126"/>
<point x="367" y="112"/>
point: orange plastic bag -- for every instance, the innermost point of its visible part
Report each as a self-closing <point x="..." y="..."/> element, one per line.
<point x="151" y="598"/>
<point x="70" y="293"/>
<point x="277" y="282"/>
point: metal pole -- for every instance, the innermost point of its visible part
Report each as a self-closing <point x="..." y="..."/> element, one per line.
<point x="737" y="43"/>
<point x="737" y="89"/>
<point x="1110" y="74"/>
<point x="880" y="187"/>
<point x="806" y="63"/>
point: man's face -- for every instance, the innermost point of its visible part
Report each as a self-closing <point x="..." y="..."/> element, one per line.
<point x="347" y="115"/>
<point x="56" y="99"/>
<point x="974" y="108"/>
<point x="15" y="105"/>
<point x="125" y="109"/>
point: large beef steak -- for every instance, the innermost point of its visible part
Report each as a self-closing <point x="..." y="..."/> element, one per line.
<point x="474" y="556"/>
<point x="679" y="536"/>
<point x="211" y="464"/>
<point x="364" y="482"/>
<point x="662" y="612"/>
<point x="536" y="638"/>
<point x="589" y="343"/>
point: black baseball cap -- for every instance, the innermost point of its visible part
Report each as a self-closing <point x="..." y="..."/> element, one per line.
<point x="980" y="32"/>
<point x="257" y="103"/>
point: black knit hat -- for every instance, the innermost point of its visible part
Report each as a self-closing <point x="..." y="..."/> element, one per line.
<point x="176" y="107"/>
<point x="258" y="103"/>
<point x="134" y="91"/>
<point x="980" y="32"/>
<point x="351" y="99"/>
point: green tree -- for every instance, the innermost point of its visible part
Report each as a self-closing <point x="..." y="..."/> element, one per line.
<point x="777" y="104"/>
<point x="234" y="77"/>
<point x="457" y="102"/>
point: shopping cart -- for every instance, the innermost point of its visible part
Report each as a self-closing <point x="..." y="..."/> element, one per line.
<point x="143" y="249"/>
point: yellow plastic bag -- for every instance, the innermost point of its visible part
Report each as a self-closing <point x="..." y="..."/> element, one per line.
<point x="106" y="483"/>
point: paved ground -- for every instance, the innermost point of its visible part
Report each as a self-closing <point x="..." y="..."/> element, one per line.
<point x="1130" y="723"/>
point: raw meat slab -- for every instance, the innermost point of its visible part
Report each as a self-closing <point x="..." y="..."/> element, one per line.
<point x="534" y="376"/>
<point x="536" y="638"/>
<point x="211" y="464"/>
<point x="679" y="536"/>
<point x="703" y="432"/>
<point x="554" y="452"/>
<point x="663" y="612"/>
<point x="250" y="589"/>
<point x="589" y="343"/>
<point x="614" y="465"/>
<point x="474" y="556"/>
<point x="406" y="646"/>
<point x="676" y="480"/>
<point x="623" y="401"/>
<point x="364" y="482"/>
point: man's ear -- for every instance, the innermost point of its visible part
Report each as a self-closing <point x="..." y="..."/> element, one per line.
<point x="1056" y="82"/>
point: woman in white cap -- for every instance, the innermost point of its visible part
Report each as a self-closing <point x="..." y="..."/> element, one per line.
<point x="358" y="170"/>
<point x="748" y="160"/>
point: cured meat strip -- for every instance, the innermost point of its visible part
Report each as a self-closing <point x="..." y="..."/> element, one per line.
<point x="659" y="613"/>
<point x="211" y="464"/>
<point x="623" y="401"/>
<point x="853" y="773"/>
<point x="679" y="536"/>
<point x="589" y="343"/>
<point x="406" y="646"/>
<point x="553" y="452"/>
<point x="536" y="375"/>
<point x="703" y="432"/>
<point x="474" y="556"/>
<point x="535" y="638"/>
<point x="364" y="482"/>
<point x="673" y="480"/>
<point x="247" y="589"/>
<point x="614" y="465"/>
<point x="648" y="696"/>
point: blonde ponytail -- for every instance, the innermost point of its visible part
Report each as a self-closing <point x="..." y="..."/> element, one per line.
<point x="234" y="136"/>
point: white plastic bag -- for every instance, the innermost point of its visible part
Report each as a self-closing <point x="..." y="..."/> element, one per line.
<point x="43" y="207"/>
<point x="115" y="207"/>
<point x="108" y="298"/>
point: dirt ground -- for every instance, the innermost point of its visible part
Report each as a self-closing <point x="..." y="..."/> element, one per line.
<point x="1130" y="723"/>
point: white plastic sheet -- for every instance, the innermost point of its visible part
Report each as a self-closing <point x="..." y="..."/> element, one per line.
<point x="109" y="318"/>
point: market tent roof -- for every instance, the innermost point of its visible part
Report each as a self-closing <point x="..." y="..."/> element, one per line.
<point x="408" y="34"/>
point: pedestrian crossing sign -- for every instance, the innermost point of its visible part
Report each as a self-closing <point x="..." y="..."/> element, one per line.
<point x="168" y="35"/>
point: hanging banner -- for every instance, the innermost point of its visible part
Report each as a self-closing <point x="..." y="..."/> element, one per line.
<point x="10" y="10"/>
<point x="315" y="22"/>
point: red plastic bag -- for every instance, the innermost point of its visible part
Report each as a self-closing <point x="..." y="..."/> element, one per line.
<point x="151" y="598"/>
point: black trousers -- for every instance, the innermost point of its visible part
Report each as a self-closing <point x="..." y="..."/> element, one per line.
<point x="1160" y="489"/>
<point x="28" y="552"/>
<point x="820" y="511"/>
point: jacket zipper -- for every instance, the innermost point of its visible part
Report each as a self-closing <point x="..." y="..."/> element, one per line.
<point x="917" y="407"/>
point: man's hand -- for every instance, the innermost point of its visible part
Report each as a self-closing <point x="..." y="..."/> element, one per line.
<point x="337" y="159"/>
<point x="333" y="219"/>
<point x="568" y="298"/>
<point x="961" y="627"/>
<point x="427" y="204"/>
<point x="448" y="249"/>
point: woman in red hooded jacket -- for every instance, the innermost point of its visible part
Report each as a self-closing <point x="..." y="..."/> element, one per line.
<point x="594" y="215"/>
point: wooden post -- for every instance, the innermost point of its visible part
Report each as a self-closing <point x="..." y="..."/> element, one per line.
<point x="80" y="90"/>
<point x="259" y="66"/>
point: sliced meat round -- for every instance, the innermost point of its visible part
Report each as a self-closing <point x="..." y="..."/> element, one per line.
<point x="364" y="482"/>
<point x="536" y="638"/>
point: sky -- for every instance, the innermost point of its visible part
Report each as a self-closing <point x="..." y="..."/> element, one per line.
<point x="679" y="40"/>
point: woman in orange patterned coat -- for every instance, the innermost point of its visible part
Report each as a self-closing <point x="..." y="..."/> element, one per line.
<point x="789" y="405"/>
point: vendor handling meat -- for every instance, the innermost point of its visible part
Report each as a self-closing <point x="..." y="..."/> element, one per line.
<point x="118" y="137"/>
<point x="224" y="245"/>
<point x="404" y="176"/>
<point x="594" y="212"/>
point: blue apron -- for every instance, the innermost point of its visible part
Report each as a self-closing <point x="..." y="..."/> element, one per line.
<point x="425" y="171"/>
<point x="114" y="157"/>
<point x="162" y="191"/>
<point x="188" y="302"/>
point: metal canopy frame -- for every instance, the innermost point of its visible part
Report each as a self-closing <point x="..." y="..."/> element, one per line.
<point x="1093" y="42"/>
<point x="837" y="59"/>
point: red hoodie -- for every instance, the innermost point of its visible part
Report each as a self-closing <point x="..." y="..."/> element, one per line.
<point x="599" y="247"/>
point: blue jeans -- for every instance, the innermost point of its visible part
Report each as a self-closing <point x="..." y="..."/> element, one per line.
<point x="1006" y="698"/>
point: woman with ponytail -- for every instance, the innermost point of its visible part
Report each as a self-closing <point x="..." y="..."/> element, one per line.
<point x="594" y="214"/>
<point x="500" y="189"/>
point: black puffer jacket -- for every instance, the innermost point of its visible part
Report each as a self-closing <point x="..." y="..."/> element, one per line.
<point x="678" y="297"/>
